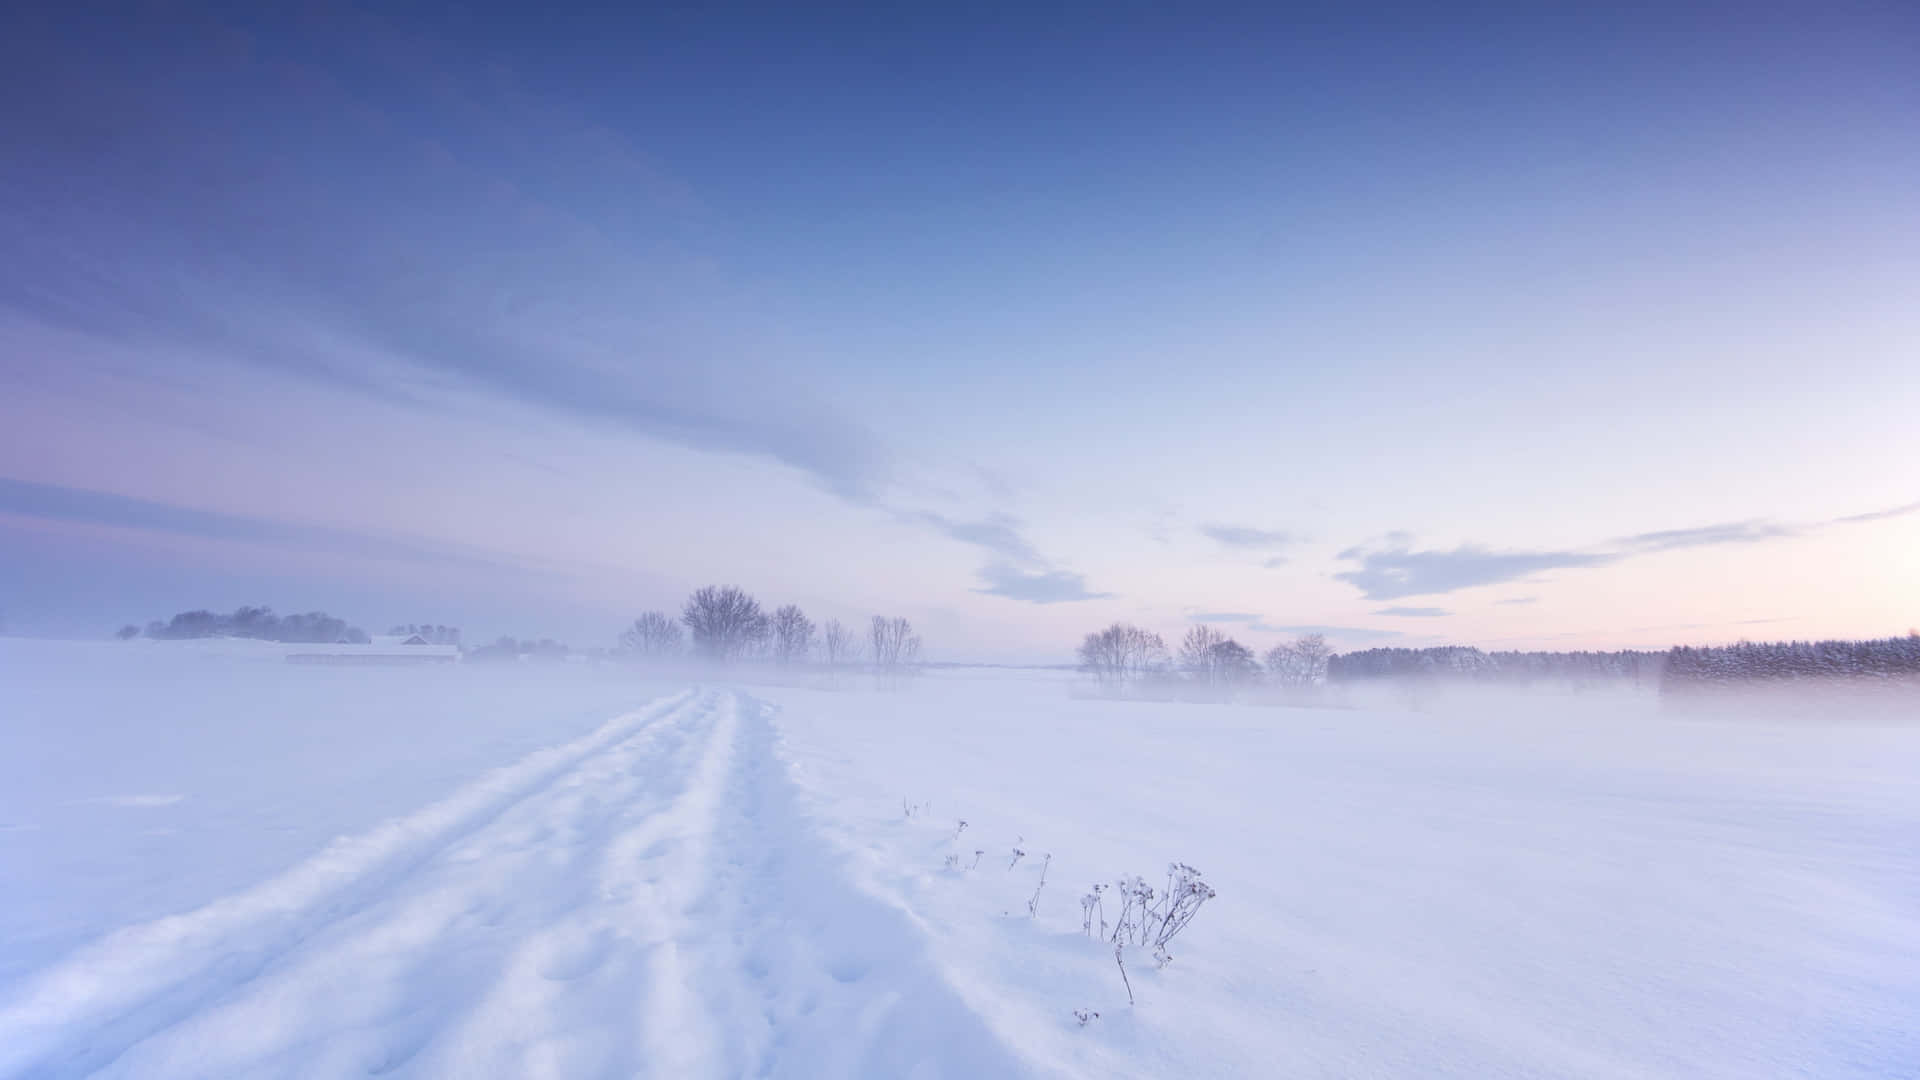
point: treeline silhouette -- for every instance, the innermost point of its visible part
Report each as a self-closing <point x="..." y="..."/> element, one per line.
<point x="512" y="649"/>
<point x="431" y="633"/>
<point x="723" y="624"/>
<point x="1678" y="668"/>
<point x="1466" y="662"/>
<point x="258" y="623"/>
<point x="1884" y="659"/>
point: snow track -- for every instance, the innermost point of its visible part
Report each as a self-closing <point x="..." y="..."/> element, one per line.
<point x="645" y="900"/>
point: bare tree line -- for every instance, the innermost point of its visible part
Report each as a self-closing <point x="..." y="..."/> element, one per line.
<point x="1123" y="657"/>
<point x="723" y="624"/>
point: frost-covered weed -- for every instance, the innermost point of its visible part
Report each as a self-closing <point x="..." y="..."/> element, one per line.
<point x="1033" y="905"/>
<point x="1181" y="902"/>
<point x="1091" y="905"/>
<point x="1148" y="917"/>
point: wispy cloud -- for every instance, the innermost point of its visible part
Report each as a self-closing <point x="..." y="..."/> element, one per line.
<point x="1244" y="536"/>
<point x="1519" y="600"/>
<point x="477" y="269"/>
<point x="1345" y="633"/>
<point x="1042" y="587"/>
<point x="1395" y="571"/>
<point x="52" y="502"/>
<point x="997" y="533"/>
<point x="1276" y="562"/>
<point x="1732" y="532"/>
<point x="1415" y="612"/>
<point x="1224" y="617"/>
<point x="1878" y="515"/>
<point x="1017" y="570"/>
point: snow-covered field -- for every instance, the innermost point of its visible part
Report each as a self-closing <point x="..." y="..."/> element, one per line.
<point x="216" y="864"/>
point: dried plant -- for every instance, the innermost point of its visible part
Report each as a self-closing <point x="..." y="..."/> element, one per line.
<point x="1185" y="893"/>
<point x="1090" y="905"/>
<point x="1033" y="905"/>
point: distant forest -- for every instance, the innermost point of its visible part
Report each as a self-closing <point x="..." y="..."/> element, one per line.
<point x="1679" y="668"/>
<point x="725" y="623"/>
<point x="258" y="623"/>
<point x="1465" y="662"/>
<point x="1886" y="659"/>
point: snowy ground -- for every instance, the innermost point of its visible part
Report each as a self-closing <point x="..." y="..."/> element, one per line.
<point x="217" y="865"/>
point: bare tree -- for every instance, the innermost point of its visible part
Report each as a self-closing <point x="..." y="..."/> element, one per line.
<point x="652" y="636"/>
<point x="838" y="643"/>
<point x="1216" y="660"/>
<point x="895" y="645"/>
<point x="1121" y="653"/>
<point x="1197" y="655"/>
<point x="1313" y="651"/>
<point x="792" y="635"/>
<point x="1282" y="664"/>
<point x="1299" y="664"/>
<point x="725" y="622"/>
<point x="1233" y="664"/>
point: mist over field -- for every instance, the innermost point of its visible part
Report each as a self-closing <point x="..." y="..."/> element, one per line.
<point x="218" y="862"/>
<point x="968" y="541"/>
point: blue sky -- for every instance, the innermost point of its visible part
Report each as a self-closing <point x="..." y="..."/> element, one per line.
<point x="1492" y="324"/>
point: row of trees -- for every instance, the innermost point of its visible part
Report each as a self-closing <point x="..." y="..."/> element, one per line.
<point x="1680" y="667"/>
<point x="431" y="633"/>
<point x="1471" y="664"/>
<point x="258" y="623"/>
<point x="1124" y="655"/>
<point x="1887" y="658"/>
<point x="724" y="624"/>
<point x="1477" y="665"/>
<point x="507" y="649"/>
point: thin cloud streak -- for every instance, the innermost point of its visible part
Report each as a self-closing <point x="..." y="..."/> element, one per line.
<point x="1877" y="515"/>
<point x="52" y="502"/>
<point x="1043" y="587"/>
<point x="1243" y="536"/>
<point x="998" y="533"/>
<point x="1396" y="570"/>
<point x="1733" y="532"/>
<point x="1349" y="633"/>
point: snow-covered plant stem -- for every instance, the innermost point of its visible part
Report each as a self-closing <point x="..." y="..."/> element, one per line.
<point x="1033" y="905"/>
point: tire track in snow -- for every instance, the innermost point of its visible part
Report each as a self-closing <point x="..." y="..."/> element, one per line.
<point x="651" y="903"/>
<point x="79" y="1014"/>
<point x="815" y="976"/>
